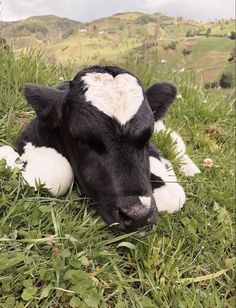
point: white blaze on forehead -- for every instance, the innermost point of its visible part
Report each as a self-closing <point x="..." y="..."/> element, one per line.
<point x="146" y="201"/>
<point x="119" y="97"/>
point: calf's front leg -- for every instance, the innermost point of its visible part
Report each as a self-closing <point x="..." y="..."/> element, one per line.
<point x="168" y="194"/>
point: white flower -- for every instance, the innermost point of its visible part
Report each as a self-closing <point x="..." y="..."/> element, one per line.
<point x="61" y="78"/>
<point x="179" y="96"/>
<point x="208" y="163"/>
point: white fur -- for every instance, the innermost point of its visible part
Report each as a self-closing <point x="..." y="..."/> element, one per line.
<point x="146" y="201"/>
<point x="47" y="166"/>
<point x="119" y="97"/>
<point x="159" y="126"/>
<point x="187" y="165"/>
<point x="169" y="169"/>
<point x="9" y="155"/>
<point x="171" y="196"/>
<point x="179" y="146"/>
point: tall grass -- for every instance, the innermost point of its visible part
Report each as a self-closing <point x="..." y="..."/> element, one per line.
<point x="59" y="253"/>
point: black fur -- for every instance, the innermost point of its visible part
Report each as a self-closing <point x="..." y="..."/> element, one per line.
<point x="160" y="97"/>
<point x="110" y="161"/>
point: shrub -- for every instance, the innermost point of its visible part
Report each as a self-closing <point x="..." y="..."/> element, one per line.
<point x="232" y="56"/>
<point x="186" y="52"/>
<point x="171" y="45"/>
<point x="3" y="44"/>
<point x="232" y="36"/>
<point x="190" y="33"/>
<point x="67" y="33"/>
<point x="226" y="80"/>
<point x="211" y="85"/>
<point x="208" y="32"/>
<point x="33" y="27"/>
<point x="145" y="19"/>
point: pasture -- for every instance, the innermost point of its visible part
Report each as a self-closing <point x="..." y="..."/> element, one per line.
<point x="57" y="252"/>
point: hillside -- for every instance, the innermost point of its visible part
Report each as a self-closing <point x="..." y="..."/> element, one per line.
<point x="178" y="43"/>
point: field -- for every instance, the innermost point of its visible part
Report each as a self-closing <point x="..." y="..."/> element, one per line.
<point x="111" y="39"/>
<point x="57" y="252"/>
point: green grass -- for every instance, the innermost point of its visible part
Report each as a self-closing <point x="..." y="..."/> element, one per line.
<point x="59" y="253"/>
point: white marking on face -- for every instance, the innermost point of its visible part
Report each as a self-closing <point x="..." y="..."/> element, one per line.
<point x="146" y="201"/>
<point x="47" y="166"/>
<point x="9" y="155"/>
<point x="119" y="97"/>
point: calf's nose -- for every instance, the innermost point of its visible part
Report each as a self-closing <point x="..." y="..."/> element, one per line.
<point x="135" y="213"/>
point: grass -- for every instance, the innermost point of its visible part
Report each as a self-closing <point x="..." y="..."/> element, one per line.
<point x="59" y="253"/>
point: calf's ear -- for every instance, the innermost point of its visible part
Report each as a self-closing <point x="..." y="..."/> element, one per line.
<point x="47" y="102"/>
<point x="160" y="96"/>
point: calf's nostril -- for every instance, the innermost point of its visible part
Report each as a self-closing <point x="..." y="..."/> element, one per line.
<point x="124" y="217"/>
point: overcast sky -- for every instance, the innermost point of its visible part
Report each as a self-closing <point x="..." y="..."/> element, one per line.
<point x="87" y="10"/>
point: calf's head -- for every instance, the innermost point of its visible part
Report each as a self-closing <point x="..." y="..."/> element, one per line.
<point x="105" y="122"/>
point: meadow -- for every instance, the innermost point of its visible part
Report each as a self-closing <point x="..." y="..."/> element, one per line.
<point x="57" y="252"/>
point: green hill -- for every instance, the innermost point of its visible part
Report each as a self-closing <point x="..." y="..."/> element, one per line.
<point x="178" y="43"/>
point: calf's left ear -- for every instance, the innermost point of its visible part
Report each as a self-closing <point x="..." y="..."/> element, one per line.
<point x="160" y="96"/>
<point x="47" y="102"/>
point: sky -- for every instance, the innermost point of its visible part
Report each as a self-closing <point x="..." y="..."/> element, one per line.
<point x="87" y="10"/>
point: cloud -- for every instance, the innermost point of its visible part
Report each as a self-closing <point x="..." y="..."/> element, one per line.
<point x="86" y="10"/>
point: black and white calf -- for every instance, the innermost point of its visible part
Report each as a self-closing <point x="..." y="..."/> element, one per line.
<point x="97" y="128"/>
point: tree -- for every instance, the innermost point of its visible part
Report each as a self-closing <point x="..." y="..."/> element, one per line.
<point x="186" y="52"/>
<point x="226" y="80"/>
<point x="145" y="19"/>
<point x="171" y="45"/>
<point x="232" y="36"/>
<point x="3" y="44"/>
<point x="208" y="32"/>
<point x="232" y="56"/>
<point x="190" y="33"/>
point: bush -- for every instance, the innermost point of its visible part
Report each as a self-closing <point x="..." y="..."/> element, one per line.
<point x="226" y="80"/>
<point x="3" y="44"/>
<point x="211" y="85"/>
<point x="190" y="33"/>
<point x="208" y="32"/>
<point x="186" y="52"/>
<point x="232" y="36"/>
<point x="145" y="19"/>
<point x="232" y="56"/>
<point x="68" y="33"/>
<point x="171" y="45"/>
<point x="33" y="27"/>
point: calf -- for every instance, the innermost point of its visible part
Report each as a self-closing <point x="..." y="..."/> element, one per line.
<point x="102" y="122"/>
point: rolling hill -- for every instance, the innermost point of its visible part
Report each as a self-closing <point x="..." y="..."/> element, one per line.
<point x="177" y="43"/>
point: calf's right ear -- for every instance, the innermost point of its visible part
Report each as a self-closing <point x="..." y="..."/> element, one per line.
<point x="160" y="96"/>
<point x="47" y="102"/>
